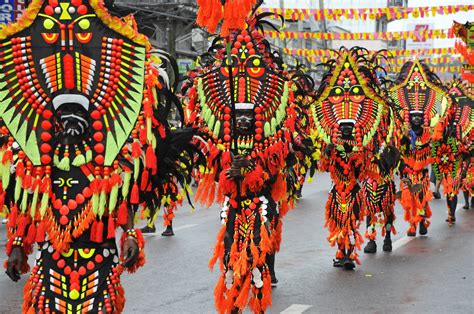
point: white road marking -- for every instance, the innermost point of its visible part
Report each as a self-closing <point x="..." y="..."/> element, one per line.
<point x="184" y="227"/>
<point x="296" y="309"/>
<point x="401" y="242"/>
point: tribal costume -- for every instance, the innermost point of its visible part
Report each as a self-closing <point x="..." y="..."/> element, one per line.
<point x="421" y="104"/>
<point x="449" y="151"/>
<point x="84" y="98"/>
<point x="381" y="202"/>
<point x="356" y="123"/>
<point x="254" y="176"/>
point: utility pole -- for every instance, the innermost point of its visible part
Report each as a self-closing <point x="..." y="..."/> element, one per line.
<point x="282" y="43"/>
<point x="323" y="24"/>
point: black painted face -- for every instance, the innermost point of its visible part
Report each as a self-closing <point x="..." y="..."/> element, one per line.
<point x="346" y="130"/>
<point x="244" y="121"/>
<point x="73" y="122"/>
<point x="416" y="119"/>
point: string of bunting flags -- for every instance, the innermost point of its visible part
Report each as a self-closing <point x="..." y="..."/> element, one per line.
<point x="415" y="35"/>
<point x="395" y="62"/>
<point x="395" y="53"/>
<point x="442" y="69"/>
<point x="392" y="13"/>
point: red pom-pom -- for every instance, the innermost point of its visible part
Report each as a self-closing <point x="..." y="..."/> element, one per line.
<point x="99" y="232"/>
<point x="144" y="181"/>
<point x="135" y="196"/>
<point x="111" y="228"/>
<point x="136" y="149"/>
<point x="31" y="235"/>
<point x="40" y="233"/>
<point x="122" y="217"/>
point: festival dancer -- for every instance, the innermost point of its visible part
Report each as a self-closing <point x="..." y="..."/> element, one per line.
<point x="421" y="104"/>
<point x="451" y="148"/>
<point x="381" y="202"/>
<point x="78" y="82"/>
<point x="241" y="100"/>
<point x="356" y="124"/>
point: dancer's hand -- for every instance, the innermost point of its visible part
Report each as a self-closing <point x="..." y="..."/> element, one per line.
<point x="240" y="161"/>
<point x="130" y="252"/>
<point x="328" y="149"/>
<point x="235" y="170"/>
<point x="14" y="263"/>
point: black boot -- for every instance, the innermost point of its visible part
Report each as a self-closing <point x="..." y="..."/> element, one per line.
<point x="148" y="229"/>
<point x="270" y="259"/>
<point x="453" y="203"/>
<point x="423" y="230"/>
<point x="347" y="261"/>
<point x="168" y="231"/>
<point x="371" y="247"/>
<point x="472" y="202"/>
<point x="337" y="262"/>
<point x="387" y="242"/>
<point x="466" y="200"/>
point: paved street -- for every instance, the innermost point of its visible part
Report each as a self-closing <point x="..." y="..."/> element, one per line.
<point x="432" y="274"/>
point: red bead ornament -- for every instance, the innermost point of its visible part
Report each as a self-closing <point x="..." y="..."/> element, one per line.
<point x="45" y="159"/>
<point x="227" y="138"/>
<point x="45" y="136"/>
<point x="95" y="115"/>
<point x="98" y="136"/>
<point x="99" y="159"/>
<point x="99" y="258"/>
<point x="258" y="137"/>
<point x="61" y="263"/>
<point x="63" y="220"/>
<point x="82" y="10"/>
<point x="87" y="192"/>
<point x="49" y="10"/>
<point x="56" y="255"/>
<point x="80" y="199"/>
<point x="82" y="271"/>
<point x="90" y="265"/>
<point x="97" y="125"/>
<point x="64" y="210"/>
<point x="45" y="148"/>
<point x="99" y="148"/>
<point x="46" y="125"/>
<point x="57" y="203"/>
<point x="72" y="204"/>
<point x="47" y="114"/>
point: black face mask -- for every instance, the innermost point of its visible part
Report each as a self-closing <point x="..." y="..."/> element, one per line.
<point x="73" y="122"/>
<point x="244" y="123"/>
<point x="346" y="130"/>
<point x="416" y="120"/>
